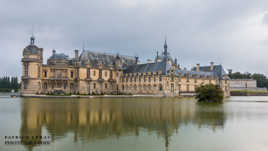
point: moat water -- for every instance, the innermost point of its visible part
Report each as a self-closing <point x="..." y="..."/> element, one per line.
<point x="135" y="124"/>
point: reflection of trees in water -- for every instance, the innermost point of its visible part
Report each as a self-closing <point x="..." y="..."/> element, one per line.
<point x="211" y="115"/>
<point x="102" y="118"/>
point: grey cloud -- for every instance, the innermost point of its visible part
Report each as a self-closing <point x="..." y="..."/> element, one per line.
<point x="197" y="31"/>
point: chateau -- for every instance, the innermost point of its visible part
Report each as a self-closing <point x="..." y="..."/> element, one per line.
<point x="91" y="73"/>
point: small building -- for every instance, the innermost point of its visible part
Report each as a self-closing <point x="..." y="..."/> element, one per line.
<point x="244" y="84"/>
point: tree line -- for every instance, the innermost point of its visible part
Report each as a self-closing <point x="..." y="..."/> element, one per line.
<point x="9" y="83"/>
<point x="262" y="81"/>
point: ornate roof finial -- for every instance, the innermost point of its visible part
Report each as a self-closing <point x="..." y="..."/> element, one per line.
<point x="32" y="39"/>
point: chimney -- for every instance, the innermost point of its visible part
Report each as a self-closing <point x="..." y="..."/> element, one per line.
<point x="211" y="66"/>
<point x="136" y="60"/>
<point x="176" y="62"/>
<point x="76" y="54"/>
<point x="197" y="67"/>
<point x="53" y="52"/>
<point x="179" y="66"/>
<point x="117" y="61"/>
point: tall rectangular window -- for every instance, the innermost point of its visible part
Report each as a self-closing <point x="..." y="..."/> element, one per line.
<point x="26" y="69"/>
<point x="94" y="73"/>
<point x="72" y="74"/>
<point x="88" y="73"/>
<point x="45" y="73"/>
<point x="111" y="74"/>
<point x="39" y="71"/>
<point x="105" y="74"/>
<point x="106" y="85"/>
<point x="94" y="85"/>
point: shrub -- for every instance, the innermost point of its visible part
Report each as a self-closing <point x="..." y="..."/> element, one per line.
<point x="209" y="93"/>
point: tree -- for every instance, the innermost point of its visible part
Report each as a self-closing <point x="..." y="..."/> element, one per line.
<point x="261" y="80"/>
<point x="238" y="75"/>
<point x="7" y="84"/>
<point x="209" y="93"/>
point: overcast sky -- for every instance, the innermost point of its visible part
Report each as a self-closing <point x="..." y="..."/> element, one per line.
<point x="233" y="33"/>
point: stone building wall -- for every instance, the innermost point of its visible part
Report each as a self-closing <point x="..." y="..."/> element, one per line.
<point x="108" y="81"/>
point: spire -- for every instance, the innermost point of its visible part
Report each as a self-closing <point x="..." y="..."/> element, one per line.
<point x="83" y="46"/>
<point x="165" y="47"/>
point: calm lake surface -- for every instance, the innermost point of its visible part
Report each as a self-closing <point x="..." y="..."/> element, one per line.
<point x="136" y="124"/>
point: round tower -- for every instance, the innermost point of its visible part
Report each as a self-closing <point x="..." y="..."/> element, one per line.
<point x="31" y="69"/>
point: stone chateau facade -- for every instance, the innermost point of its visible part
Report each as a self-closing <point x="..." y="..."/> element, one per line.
<point x="91" y="73"/>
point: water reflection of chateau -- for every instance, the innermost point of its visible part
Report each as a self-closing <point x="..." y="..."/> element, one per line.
<point x="99" y="119"/>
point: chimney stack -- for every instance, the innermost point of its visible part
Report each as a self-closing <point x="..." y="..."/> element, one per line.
<point x="53" y="52"/>
<point x="117" y="61"/>
<point x="197" y="67"/>
<point x="76" y="54"/>
<point x="136" y="59"/>
<point x="211" y="66"/>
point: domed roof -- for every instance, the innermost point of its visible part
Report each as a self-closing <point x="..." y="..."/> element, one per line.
<point x="32" y="48"/>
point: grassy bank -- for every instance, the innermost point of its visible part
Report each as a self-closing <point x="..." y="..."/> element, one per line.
<point x="248" y="93"/>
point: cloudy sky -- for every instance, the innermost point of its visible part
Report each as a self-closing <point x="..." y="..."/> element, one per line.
<point x="233" y="33"/>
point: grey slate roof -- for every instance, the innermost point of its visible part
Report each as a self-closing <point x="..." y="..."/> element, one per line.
<point x="149" y="67"/>
<point x="32" y="49"/>
<point x="59" y="56"/>
<point x="194" y="73"/>
<point x="218" y="70"/>
<point x="106" y="59"/>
